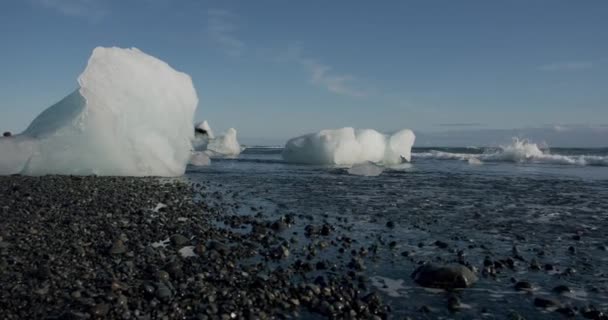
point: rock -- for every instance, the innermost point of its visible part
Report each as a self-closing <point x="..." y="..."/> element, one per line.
<point x="279" y="226"/>
<point x="100" y="310"/>
<point x="162" y="275"/>
<point x="7" y="134"/>
<point x="567" y="311"/>
<point x="179" y="240"/>
<point x="454" y="303"/>
<point x="219" y="247"/>
<point x="279" y="252"/>
<point x="163" y="292"/>
<point x="390" y="224"/>
<point x="523" y="286"/>
<point x="444" y="277"/>
<point x="591" y="313"/>
<point x="561" y="289"/>
<point x="442" y="245"/>
<point x="325" y="230"/>
<point x="118" y="247"/>
<point x="546" y="303"/>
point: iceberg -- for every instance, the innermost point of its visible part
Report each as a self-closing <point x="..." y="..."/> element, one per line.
<point x="204" y="129"/>
<point x="347" y="146"/>
<point x="199" y="159"/>
<point x="226" y="145"/>
<point x="132" y="115"/>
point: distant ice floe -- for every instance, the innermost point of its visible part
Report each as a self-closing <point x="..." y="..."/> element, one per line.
<point x="226" y="145"/>
<point x="348" y="146"/>
<point x="519" y="151"/>
<point x="130" y="116"/>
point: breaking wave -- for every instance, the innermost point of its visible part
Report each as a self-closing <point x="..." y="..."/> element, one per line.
<point x="519" y="151"/>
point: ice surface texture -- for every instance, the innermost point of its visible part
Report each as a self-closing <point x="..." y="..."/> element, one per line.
<point x="131" y="116"/>
<point x="348" y="146"/>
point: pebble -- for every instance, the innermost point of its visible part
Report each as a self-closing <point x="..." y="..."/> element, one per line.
<point x="179" y="240"/>
<point x="100" y="310"/>
<point x="118" y="247"/>
<point x="523" y="286"/>
<point x="545" y="302"/>
<point x="445" y="277"/>
<point x="561" y="289"/>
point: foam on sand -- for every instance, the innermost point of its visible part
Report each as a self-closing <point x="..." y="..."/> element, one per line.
<point x="131" y="116"/>
<point x="348" y="146"/>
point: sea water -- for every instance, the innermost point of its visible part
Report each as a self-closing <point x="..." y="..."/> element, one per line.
<point x="551" y="213"/>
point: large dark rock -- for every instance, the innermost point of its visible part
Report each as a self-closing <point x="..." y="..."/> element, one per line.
<point x="7" y="134"/>
<point x="444" y="277"/>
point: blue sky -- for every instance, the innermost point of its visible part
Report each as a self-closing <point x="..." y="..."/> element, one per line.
<point x="276" y="69"/>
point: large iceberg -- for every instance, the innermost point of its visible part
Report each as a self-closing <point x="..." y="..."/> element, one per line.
<point x="131" y="116"/>
<point x="225" y="145"/>
<point x="348" y="146"/>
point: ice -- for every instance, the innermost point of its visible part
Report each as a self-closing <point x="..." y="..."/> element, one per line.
<point x="225" y="145"/>
<point x="474" y="162"/>
<point x="202" y="135"/>
<point x="204" y="128"/>
<point x="200" y="159"/>
<point x="187" y="252"/>
<point x="368" y="169"/>
<point x="131" y="116"/>
<point x="348" y="146"/>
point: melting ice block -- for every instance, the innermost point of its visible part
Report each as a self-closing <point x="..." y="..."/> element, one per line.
<point x="348" y="146"/>
<point x="131" y="116"/>
<point x="225" y="145"/>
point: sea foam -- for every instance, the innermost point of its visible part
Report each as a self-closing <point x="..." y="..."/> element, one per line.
<point x="519" y="151"/>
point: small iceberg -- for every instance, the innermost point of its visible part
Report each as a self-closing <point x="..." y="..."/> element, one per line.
<point x="225" y="145"/>
<point x="348" y="146"/>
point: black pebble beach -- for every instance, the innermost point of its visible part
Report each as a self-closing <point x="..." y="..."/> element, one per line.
<point x="143" y="248"/>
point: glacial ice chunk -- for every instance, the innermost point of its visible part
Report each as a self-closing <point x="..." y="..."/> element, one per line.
<point x="205" y="129"/>
<point x="130" y="116"/>
<point x="347" y="146"/>
<point x="226" y="145"/>
<point x="200" y="159"/>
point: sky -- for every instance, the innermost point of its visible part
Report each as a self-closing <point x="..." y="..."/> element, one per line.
<point x="275" y="69"/>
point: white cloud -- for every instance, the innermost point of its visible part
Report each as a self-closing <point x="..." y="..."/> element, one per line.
<point x="567" y="66"/>
<point x="322" y="75"/>
<point x="220" y="28"/>
<point x="90" y="9"/>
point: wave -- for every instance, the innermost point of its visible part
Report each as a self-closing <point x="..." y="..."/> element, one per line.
<point x="519" y="151"/>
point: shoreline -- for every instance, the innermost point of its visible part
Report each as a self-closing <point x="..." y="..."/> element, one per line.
<point x="143" y="248"/>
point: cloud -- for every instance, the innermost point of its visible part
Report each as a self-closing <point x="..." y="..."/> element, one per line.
<point x="322" y="75"/>
<point x="567" y="66"/>
<point x="220" y="28"/>
<point x="89" y="9"/>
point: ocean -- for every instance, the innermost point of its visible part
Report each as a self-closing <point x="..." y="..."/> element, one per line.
<point x="528" y="223"/>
